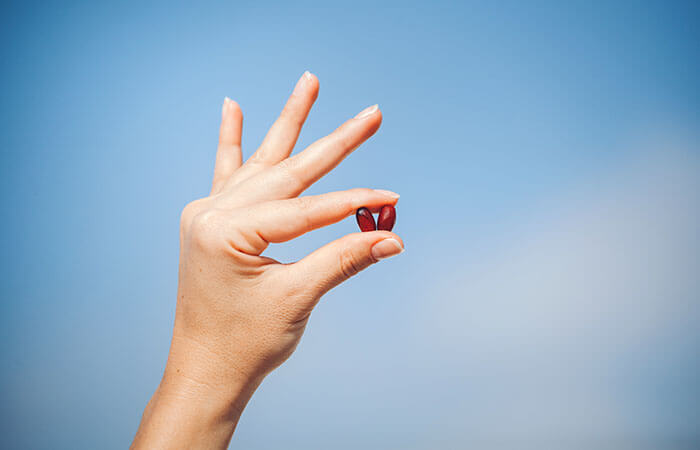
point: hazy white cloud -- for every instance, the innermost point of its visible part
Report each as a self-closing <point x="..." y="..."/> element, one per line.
<point x="594" y="301"/>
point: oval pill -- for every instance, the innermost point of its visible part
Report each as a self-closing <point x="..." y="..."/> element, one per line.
<point x="365" y="219"/>
<point x="387" y="218"/>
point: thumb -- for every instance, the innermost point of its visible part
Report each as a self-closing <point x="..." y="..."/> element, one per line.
<point x="339" y="260"/>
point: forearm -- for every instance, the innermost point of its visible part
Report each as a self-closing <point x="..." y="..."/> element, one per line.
<point x="187" y="413"/>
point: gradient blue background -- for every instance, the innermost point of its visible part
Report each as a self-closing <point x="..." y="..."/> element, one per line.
<point x="548" y="159"/>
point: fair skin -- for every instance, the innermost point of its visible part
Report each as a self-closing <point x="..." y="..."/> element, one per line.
<point x="239" y="313"/>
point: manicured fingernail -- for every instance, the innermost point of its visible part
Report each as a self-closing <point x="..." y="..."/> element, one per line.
<point x="305" y="77"/>
<point x="386" y="249"/>
<point x="387" y="193"/>
<point x="367" y="112"/>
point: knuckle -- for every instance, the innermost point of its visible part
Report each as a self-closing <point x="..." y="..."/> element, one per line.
<point x="345" y="142"/>
<point x="361" y="192"/>
<point x="255" y="158"/>
<point x="348" y="204"/>
<point x="285" y="166"/>
<point x="189" y="212"/>
<point x="345" y="138"/>
<point x="353" y="198"/>
<point x="291" y="115"/>
<point x="289" y="175"/>
<point x="304" y="204"/>
<point x="349" y="265"/>
<point x="204" y="231"/>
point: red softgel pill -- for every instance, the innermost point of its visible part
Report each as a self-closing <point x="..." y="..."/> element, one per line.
<point x="365" y="219"/>
<point x="387" y="218"/>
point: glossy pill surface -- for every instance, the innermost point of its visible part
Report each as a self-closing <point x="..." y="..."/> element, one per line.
<point x="387" y="218"/>
<point x="365" y="219"/>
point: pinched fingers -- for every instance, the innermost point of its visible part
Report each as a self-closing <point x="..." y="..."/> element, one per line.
<point x="282" y="220"/>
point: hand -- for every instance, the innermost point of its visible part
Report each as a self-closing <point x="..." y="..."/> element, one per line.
<point x="240" y="314"/>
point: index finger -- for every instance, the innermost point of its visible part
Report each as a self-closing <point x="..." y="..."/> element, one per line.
<point x="282" y="220"/>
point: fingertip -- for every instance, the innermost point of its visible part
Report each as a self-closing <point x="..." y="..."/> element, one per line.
<point x="367" y="113"/>
<point x="364" y="124"/>
<point x="233" y="108"/>
<point x="314" y="84"/>
<point x="396" y="237"/>
<point x="386" y="248"/>
<point x="374" y="121"/>
<point x="380" y="117"/>
<point x="372" y="197"/>
<point x="390" y="194"/>
<point x="306" y="87"/>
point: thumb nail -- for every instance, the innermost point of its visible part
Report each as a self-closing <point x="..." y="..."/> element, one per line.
<point x="386" y="248"/>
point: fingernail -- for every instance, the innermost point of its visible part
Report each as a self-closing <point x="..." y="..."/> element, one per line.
<point x="386" y="249"/>
<point x="367" y="111"/>
<point x="226" y="102"/>
<point x="306" y="76"/>
<point x="387" y="193"/>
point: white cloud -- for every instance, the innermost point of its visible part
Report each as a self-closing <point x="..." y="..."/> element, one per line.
<point x="598" y="285"/>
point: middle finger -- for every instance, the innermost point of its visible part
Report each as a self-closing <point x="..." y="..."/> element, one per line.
<point x="294" y="175"/>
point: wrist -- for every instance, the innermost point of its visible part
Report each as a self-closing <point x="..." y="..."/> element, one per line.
<point x="197" y="375"/>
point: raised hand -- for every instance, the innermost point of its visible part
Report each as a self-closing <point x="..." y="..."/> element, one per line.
<point x="239" y="313"/>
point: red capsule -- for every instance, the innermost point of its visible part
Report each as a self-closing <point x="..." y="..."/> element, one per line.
<point x="387" y="218"/>
<point x="365" y="219"/>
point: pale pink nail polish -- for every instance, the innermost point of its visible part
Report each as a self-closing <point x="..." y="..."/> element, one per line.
<point x="387" y="193"/>
<point x="367" y="112"/>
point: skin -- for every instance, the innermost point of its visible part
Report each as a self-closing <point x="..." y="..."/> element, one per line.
<point x="240" y="314"/>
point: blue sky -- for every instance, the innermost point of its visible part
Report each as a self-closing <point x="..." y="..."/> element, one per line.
<point x="547" y="155"/>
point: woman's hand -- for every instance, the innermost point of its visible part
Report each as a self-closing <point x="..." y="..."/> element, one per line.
<point x="240" y="314"/>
